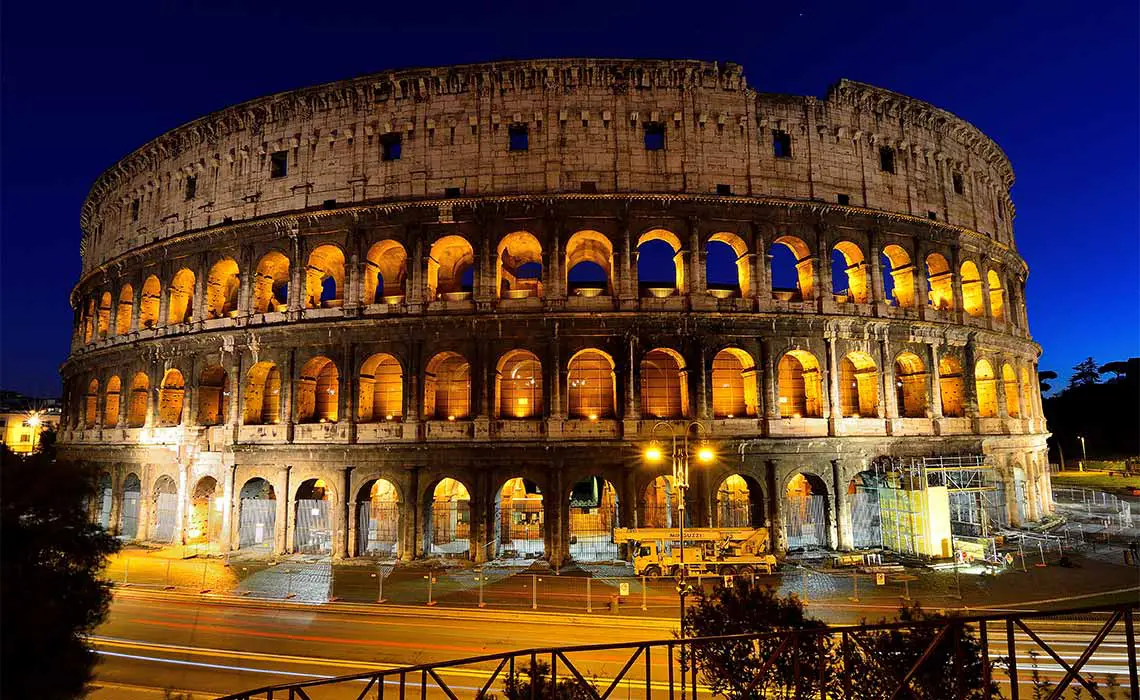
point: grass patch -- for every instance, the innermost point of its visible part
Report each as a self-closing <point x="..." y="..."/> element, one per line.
<point x="1095" y="480"/>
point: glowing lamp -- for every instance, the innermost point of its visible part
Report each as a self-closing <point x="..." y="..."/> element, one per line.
<point x="593" y="416"/>
<point x="705" y="454"/>
<point x="388" y="417"/>
<point x="34" y="420"/>
<point x="653" y="453"/>
<point x="451" y="418"/>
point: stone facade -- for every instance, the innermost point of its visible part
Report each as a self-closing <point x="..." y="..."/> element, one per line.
<point x="258" y="283"/>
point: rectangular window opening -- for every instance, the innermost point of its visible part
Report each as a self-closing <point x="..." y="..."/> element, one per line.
<point x="135" y="210"/>
<point x="519" y="137"/>
<point x="781" y="144"/>
<point x="588" y="187"/>
<point x="724" y="189"/>
<point x="278" y="164"/>
<point x="959" y="185"/>
<point x="887" y="159"/>
<point x="390" y="146"/>
<point x="191" y="187"/>
<point x="932" y="216"/>
<point x="654" y="136"/>
<point x="452" y="192"/>
<point x="844" y="199"/>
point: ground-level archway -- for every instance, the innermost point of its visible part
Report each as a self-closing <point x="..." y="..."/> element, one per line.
<point x="164" y="510"/>
<point x="519" y="525"/>
<point x="257" y="515"/>
<point x="739" y="502"/>
<point x="866" y="516"/>
<point x="312" y="529"/>
<point x="104" y="496"/>
<point x="206" y="508"/>
<point x="661" y="504"/>
<point x="129" y="511"/>
<point x="448" y="530"/>
<point x="378" y="519"/>
<point x="593" y="516"/>
<point x="805" y="511"/>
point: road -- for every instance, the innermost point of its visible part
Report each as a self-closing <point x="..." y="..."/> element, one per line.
<point x="154" y="642"/>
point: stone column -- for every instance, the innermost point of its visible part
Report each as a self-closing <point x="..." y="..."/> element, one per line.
<point x="230" y="512"/>
<point x="247" y="273"/>
<point x="555" y="378"/>
<point x="956" y="282"/>
<point x="843" y="523"/>
<point x="768" y="381"/>
<point x="987" y="310"/>
<point x="633" y="380"/>
<point x="344" y="531"/>
<point x="777" y="535"/>
<point x="999" y="385"/>
<point x="297" y="268"/>
<point x="833" y="406"/>
<point x="969" y="380"/>
<point x="877" y="292"/>
<point x="697" y="278"/>
<point x="627" y="272"/>
<point x="934" y="377"/>
<point x="887" y="405"/>
<point x="288" y="379"/>
<point x="702" y="382"/>
<point x="198" y="313"/>
<point x="285" y="520"/>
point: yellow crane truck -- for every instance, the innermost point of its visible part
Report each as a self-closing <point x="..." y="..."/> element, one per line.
<point x="724" y="551"/>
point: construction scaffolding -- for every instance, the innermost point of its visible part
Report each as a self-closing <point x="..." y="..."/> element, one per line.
<point x="925" y="503"/>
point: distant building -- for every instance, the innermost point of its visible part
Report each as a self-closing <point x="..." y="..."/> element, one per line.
<point x="23" y="419"/>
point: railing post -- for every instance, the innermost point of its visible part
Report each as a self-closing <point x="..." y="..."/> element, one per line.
<point x="1011" y="647"/>
<point x="985" y="639"/>
<point x="1130" y="644"/>
<point x="846" y="649"/>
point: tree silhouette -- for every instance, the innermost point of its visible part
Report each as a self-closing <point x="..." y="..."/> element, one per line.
<point x="1085" y="372"/>
<point x="1043" y="378"/>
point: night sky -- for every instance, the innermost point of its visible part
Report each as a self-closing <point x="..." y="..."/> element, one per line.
<point x="1055" y="84"/>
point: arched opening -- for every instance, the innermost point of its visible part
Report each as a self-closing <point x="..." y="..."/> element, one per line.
<point x="450" y="269"/>
<point x="271" y="283"/>
<point x="739" y="502"/>
<point x="447" y="387"/>
<point x="898" y="277"/>
<point x="806" y="511"/>
<point x="734" y="392"/>
<point x="213" y="395"/>
<point x="662" y="504"/>
<point x="858" y="386"/>
<point x="910" y="385"/>
<point x="952" y="386"/>
<point x="1020" y="495"/>
<point x="518" y="385"/>
<point x="105" y="315"/>
<point x="984" y="381"/>
<point x="112" y="406"/>
<point x="593" y="517"/>
<point x="257" y="515"/>
<point x="518" y="266"/>
<point x="591" y="385"/>
<point x="997" y="295"/>
<point x="866" y="515"/>
<point x="972" y="300"/>
<point x="181" y="305"/>
<point x="136" y="407"/>
<point x="589" y="264"/>
<point x="129" y="512"/>
<point x="849" y="273"/>
<point x="262" y="395"/>
<point x="793" y="274"/>
<point x="799" y="385"/>
<point x="88" y="322"/>
<point x="324" y="278"/>
<point x="381" y="389"/>
<point x="378" y="519"/>
<point x="318" y="391"/>
<point x="206" y="508"/>
<point x="170" y="396"/>
<point x="104" y="496"/>
<point x="1012" y="397"/>
<point x="312" y="533"/>
<point x="664" y="386"/>
<point x="149" y="303"/>
<point x="124" y="310"/>
<point x="519" y="528"/>
<point x="222" y="286"/>
<point x="660" y="264"/>
<point x="448" y="532"/>
<point x="727" y="272"/>
<point x="385" y="273"/>
<point x="164" y="510"/>
<point x="940" y="282"/>
<point x="91" y="405"/>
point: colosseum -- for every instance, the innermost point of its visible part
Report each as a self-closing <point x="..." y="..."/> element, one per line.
<point x="443" y="312"/>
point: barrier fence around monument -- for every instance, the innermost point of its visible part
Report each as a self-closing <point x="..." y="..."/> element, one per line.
<point x="1015" y="660"/>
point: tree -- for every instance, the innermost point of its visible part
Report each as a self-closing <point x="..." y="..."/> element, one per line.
<point x="1118" y="369"/>
<point x="52" y="596"/>
<point x="517" y="686"/>
<point x="1084" y="373"/>
<point x="731" y="668"/>
<point x="1043" y="378"/>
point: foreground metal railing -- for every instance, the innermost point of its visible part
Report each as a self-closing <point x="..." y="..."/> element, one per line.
<point x="1033" y="654"/>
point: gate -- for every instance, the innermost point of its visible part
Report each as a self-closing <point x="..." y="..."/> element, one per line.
<point x="377" y="528"/>
<point x="866" y="519"/>
<point x="256" y="526"/>
<point x="105" y="507"/>
<point x="450" y="528"/>
<point x="312" y="534"/>
<point x="806" y="521"/>
<point x="130" y="517"/>
<point x="165" y="517"/>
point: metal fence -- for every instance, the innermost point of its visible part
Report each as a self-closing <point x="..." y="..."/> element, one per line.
<point x="977" y="657"/>
<point x="1094" y="504"/>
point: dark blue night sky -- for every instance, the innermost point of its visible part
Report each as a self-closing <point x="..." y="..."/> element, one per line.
<point x="1057" y="85"/>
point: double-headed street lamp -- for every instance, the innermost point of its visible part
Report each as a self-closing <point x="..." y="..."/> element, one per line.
<point x="34" y="422"/>
<point x="680" y="459"/>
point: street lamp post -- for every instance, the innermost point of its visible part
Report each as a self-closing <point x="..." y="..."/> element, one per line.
<point x="680" y="464"/>
<point x="34" y="421"/>
<point x="1084" y="455"/>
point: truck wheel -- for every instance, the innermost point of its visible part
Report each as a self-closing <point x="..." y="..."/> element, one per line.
<point x="746" y="570"/>
<point x="652" y="571"/>
<point x="728" y="570"/>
